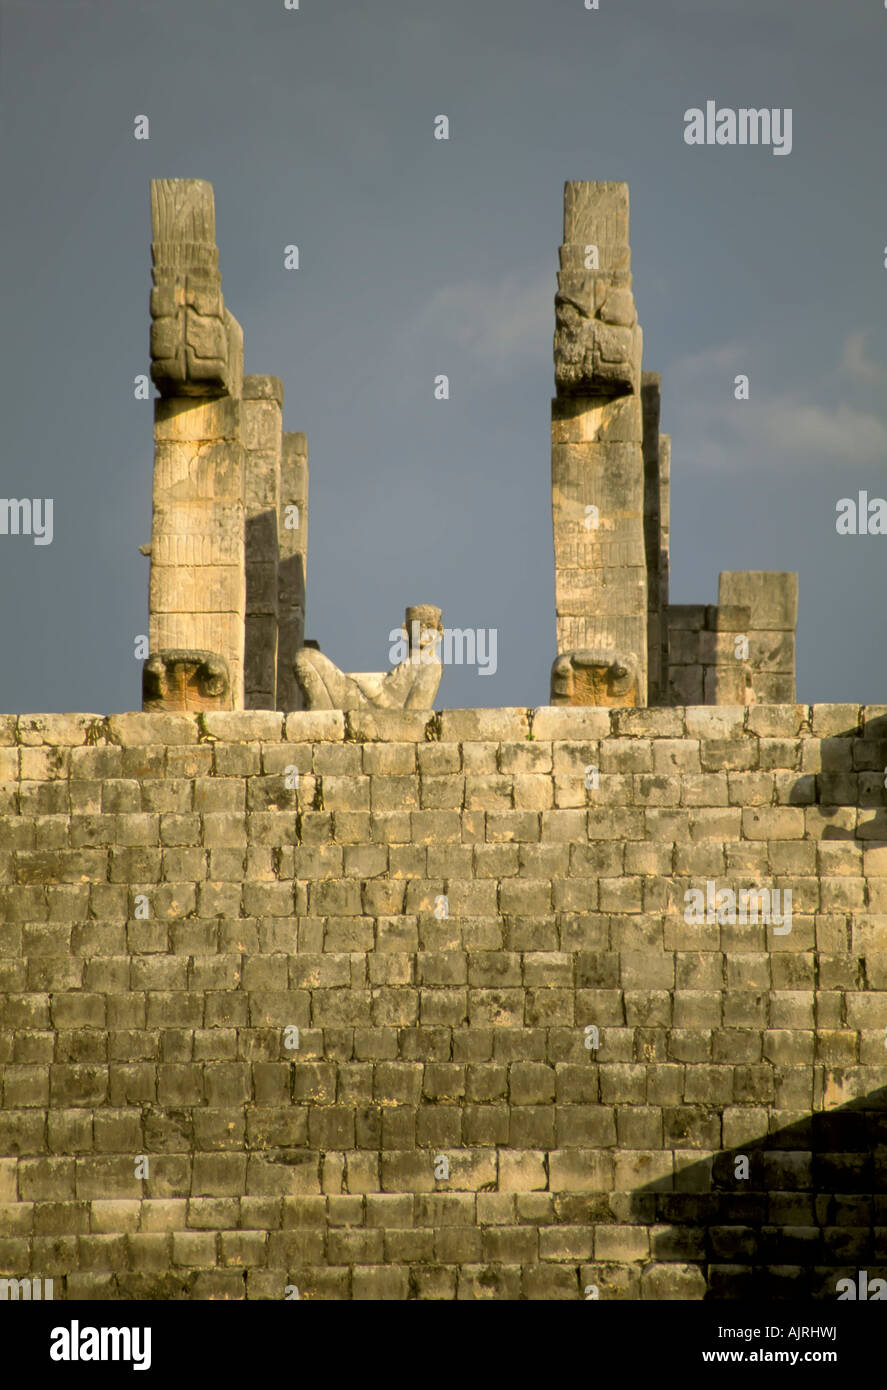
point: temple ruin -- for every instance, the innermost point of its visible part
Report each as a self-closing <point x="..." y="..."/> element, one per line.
<point x="230" y="523"/>
<point x="308" y="990"/>
<point x="619" y="640"/>
<point x="230" y="528"/>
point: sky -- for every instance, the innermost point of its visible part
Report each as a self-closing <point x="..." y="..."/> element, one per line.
<point x="420" y="257"/>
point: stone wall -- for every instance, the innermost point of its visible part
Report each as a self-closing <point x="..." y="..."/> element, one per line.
<point x="445" y="907"/>
<point x="740" y="651"/>
<point x="706" y="666"/>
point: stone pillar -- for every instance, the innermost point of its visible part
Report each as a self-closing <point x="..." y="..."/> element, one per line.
<point x="197" y="586"/>
<point x="261" y="419"/>
<point x="196" y="343"/>
<point x="598" y="493"/>
<point x="292" y="541"/>
<point x="197" y="589"/>
<point x="651" y="389"/>
<point x="664" y="562"/>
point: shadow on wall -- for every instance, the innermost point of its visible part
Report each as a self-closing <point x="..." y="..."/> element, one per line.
<point x="853" y="776"/>
<point x="786" y="1216"/>
<point x="789" y="1215"/>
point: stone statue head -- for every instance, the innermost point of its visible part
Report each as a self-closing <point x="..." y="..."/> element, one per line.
<point x="596" y="337"/>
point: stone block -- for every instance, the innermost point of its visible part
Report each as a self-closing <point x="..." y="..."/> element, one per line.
<point x="771" y="597"/>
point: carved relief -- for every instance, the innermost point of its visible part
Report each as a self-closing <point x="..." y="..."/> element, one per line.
<point x="185" y="681"/>
<point x="196" y="343"/>
<point x="591" y="676"/>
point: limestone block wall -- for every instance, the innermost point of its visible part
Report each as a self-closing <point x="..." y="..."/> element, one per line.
<point x="772" y="600"/>
<point x="408" y="1005"/>
<point x="739" y="651"/>
<point x="707" y="660"/>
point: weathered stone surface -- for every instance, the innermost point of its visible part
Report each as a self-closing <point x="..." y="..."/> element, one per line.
<point x="770" y="596"/>
<point x="444" y="964"/>
<point x="230" y="492"/>
<point x="52" y="729"/>
<point x="611" y="477"/>
<point x="589" y="677"/>
<point x="197" y="594"/>
<point x="261" y="416"/>
<point x="138" y="729"/>
<point x="411" y="684"/>
<point x="597" y="336"/>
<point x="184" y="681"/>
<point x="657" y="572"/>
<point x="577" y="723"/>
<point x="597" y="464"/>
<point x="485" y="725"/>
<point x="312" y="726"/>
<point x="292" y="546"/>
<point x="664" y="562"/>
<point x="458" y="1005"/>
<point x="728" y="653"/>
<point x="263" y="388"/>
<point x="245" y="726"/>
<point x="196" y="344"/>
<point x="370" y="723"/>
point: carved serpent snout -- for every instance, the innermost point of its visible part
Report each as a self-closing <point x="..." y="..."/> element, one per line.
<point x="592" y="676"/>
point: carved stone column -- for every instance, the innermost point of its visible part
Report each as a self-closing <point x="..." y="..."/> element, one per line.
<point x="597" y="461"/>
<point x="197" y="587"/>
<point x="261" y="413"/>
<point x="292" y="543"/>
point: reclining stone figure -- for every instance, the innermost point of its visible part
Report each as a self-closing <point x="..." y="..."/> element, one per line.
<point x="412" y="684"/>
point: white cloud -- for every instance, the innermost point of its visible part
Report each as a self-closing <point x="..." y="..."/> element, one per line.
<point x="841" y="434"/>
<point x="714" y="431"/>
<point x="856" y="362"/>
<point x="500" y="326"/>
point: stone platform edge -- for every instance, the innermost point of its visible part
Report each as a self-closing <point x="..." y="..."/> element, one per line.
<point x="544" y="723"/>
